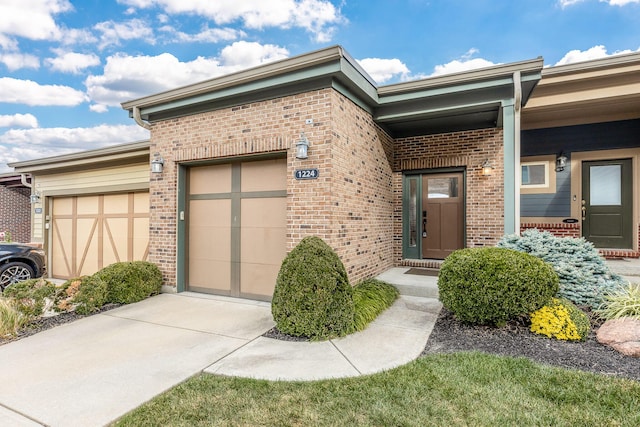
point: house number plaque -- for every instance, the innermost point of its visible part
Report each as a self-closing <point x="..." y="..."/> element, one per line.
<point x="306" y="173"/>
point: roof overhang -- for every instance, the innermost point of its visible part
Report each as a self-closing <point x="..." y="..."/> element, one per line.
<point x="122" y="154"/>
<point x="11" y="179"/>
<point x="601" y="90"/>
<point x="458" y="101"/>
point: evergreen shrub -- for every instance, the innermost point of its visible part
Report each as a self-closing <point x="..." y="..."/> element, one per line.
<point x="494" y="285"/>
<point x="562" y="320"/>
<point x="312" y="297"/>
<point x="130" y="282"/>
<point x="87" y="294"/>
<point x="370" y="298"/>
<point x="584" y="276"/>
<point x="31" y="296"/>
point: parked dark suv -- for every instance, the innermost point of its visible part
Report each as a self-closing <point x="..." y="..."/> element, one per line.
<point x="19" y="262"/>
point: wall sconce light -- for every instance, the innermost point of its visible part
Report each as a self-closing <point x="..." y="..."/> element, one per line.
<point x="34" y="198"/>
<point x="157" y="165"/>
<point x="487" y="169"/>
<point x="561" y="162"/>
<point x="302" y="147"/>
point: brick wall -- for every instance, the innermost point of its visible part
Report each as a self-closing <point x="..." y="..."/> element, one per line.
<point x="558" y="229"/>
<point x="15" y="213"/>
<point x="362" y="194"/>
<point x="484" y="194"/>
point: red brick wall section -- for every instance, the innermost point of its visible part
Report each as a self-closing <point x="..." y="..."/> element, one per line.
<point x="361" y="190"/>
<point x="467" y="149"/>
<point x="15" y="213"/>
<point x="558" y="229"/>
<point x="256" y="128"/>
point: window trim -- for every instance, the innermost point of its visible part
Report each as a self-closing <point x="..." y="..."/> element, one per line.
<point x="549" y="187"/>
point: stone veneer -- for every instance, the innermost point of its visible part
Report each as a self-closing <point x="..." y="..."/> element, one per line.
<point x="356" y="204"/>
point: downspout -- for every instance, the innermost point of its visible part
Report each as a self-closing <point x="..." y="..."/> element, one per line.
<point x="138" y="119"/>
<point x="517" y="94"/>
<point x="23" y="180"/>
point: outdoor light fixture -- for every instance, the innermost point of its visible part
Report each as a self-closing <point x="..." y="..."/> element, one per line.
<point x="157" y="165"/>
<point x="34" y="198"/>
<point x="487" y="169"/>
<point x="561" y="162"/>
<point x="302" y="147"/>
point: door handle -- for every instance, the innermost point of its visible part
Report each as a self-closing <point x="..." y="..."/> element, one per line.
<point x="424" y="227"/>
<point x="584" y="213"/>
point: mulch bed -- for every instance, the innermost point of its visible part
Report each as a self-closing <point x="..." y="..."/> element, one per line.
<point x="449" y="335"/>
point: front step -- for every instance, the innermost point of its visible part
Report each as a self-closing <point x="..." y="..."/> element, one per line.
<point x="416" y="285"/>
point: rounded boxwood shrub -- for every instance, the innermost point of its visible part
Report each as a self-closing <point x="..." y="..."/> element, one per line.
<point x="312" y="297"/>
<point x="493" y="285"/>
<point x="129" y="282"/>
<point x="560" y="319"/>
<point x="84" y="294"/>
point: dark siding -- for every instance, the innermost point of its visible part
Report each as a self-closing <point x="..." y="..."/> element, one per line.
<point x="568" y="139"/>
<point x="598" y="136"/>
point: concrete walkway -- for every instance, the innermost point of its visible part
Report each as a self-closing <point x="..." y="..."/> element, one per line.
<point x="94" y="370"/>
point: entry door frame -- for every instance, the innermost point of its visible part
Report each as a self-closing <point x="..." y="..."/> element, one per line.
<point x="577" y="157"/>
<point x="414" y="251"/>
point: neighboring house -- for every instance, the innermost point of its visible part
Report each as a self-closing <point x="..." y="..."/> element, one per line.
<point x="589" y="114"/>
<point x="15" y="209"/>
<point x="92" y="208"/>
<point x="245" y="165"/>
<point x="393" y="174"/>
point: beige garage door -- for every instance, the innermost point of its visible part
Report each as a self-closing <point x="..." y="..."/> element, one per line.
<point x="237" y="227"/>
<point x="91" y="232"/>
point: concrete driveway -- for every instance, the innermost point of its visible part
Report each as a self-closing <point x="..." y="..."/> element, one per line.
<point x="91" y="371"/>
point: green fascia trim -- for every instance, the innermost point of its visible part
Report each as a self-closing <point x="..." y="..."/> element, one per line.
<point x="435" y="112"/>
<point x="335" y="84"/>
<point x="248" y="88"/>
<point x="361" y="85"/>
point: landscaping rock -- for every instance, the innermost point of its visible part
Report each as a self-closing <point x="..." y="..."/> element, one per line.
<point x="623" y="335"/>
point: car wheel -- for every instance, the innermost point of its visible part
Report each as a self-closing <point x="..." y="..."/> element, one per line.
<point x="14" y="272"/>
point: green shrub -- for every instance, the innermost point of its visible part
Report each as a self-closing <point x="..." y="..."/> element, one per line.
<point x="11" y="319"/>
<point x="584" y="276"/>
<point x="370" y="298"/>
<point x="129" y="282"/>
<point x="625" y="302"/>
<point x="312" y="297"/>
<point x="87" y="294"/>
<point x="31" y="296"/>
<point x="560" y="319"/>
<point x="494" y="285"/>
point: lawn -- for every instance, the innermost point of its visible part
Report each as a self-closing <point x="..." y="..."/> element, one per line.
<point x="449" y="389"/>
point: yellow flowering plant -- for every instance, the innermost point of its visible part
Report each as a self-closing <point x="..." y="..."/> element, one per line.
<point x="560" y="319"/>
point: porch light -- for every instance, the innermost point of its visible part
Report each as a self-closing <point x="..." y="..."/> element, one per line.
<point x="487" y="169"/>
<point x="157" y="165"/>
<point x="302" y="147"/>
<point x="34" y="198"/>
<point x="561" y="162"/>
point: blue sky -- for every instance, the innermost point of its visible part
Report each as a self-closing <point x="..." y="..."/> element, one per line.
<point x="66" y="65"/>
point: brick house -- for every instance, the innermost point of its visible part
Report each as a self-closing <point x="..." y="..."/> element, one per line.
<point x="393" y="175"/>
<point x="15" y="209"/>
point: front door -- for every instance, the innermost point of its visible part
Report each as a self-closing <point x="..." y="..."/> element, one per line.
<point x="442" y="214"/>
<point x="607" y="203"/>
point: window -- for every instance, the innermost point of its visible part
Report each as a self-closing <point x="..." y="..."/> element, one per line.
<point x="535" y="175"/>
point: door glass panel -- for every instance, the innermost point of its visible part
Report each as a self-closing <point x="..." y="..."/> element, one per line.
<point x="605" y="185"/>
<point x="442" y="188"/>
<point x="413" y="223"/>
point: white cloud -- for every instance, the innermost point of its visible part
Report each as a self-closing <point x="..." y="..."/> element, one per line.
<point x="464" y="63"/>
<point x="595" y="52"/>
<point x="75" y="36"/>
<point x="16" y="61"/>
<point x="7" y="43"/>
<point x="206" y="35"/>
<point x="18" y="120"/>
<point x="32" y="19"/>
<point x="113" y="32"/>
<point x="315" y="16"/>
<point x="621" y="2"/>
<point x="382" y="70"/>
<point x="26" y="144"/>
<point x="72" y="62"/>
<point x="565" y="3"/>
<point x="127" y="77"/>
<point x="28" y="92"/>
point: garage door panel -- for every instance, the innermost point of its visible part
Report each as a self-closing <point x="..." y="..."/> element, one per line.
<point x="141" y="203"/>
<point x="265" y="175"/>
<point x="209" y="275"/>
<point x="210" y="179"/>
<point x="258" y="279"/>
<point x="91" y="232"/>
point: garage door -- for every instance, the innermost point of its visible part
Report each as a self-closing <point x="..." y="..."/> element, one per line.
<point x="237" y="227"/>
<point x="91" y="232"/>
